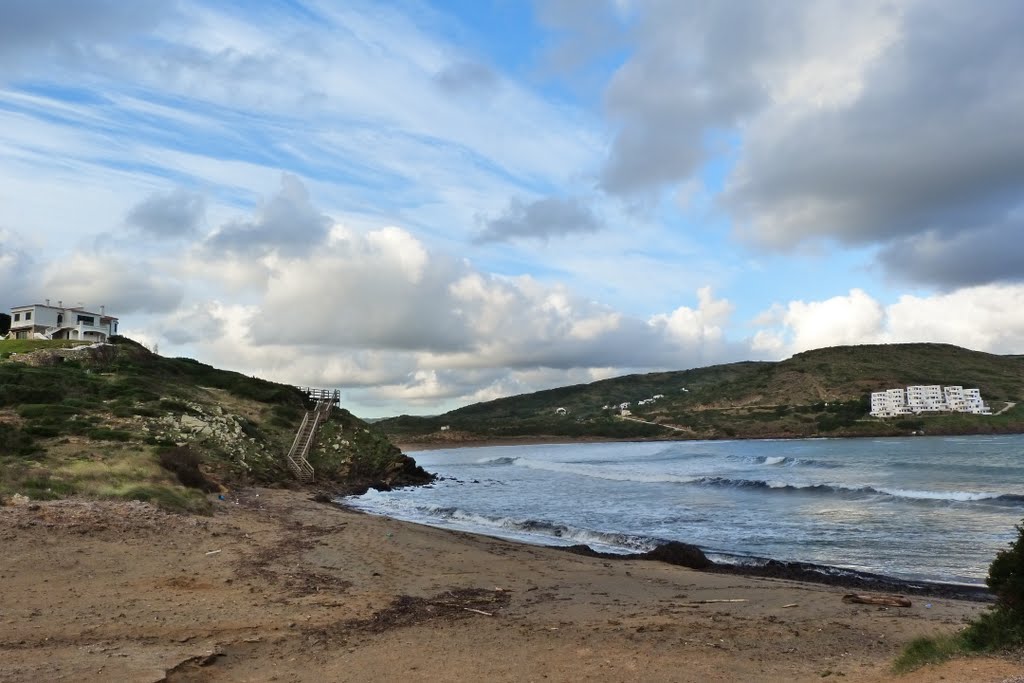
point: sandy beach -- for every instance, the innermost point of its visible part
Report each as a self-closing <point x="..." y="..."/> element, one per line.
<point x="277" y="587"/>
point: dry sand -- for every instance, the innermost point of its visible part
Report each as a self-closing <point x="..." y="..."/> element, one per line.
<point x="276" y="587"/>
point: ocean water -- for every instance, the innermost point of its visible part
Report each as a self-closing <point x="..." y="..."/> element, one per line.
<point x="921" y="508"/>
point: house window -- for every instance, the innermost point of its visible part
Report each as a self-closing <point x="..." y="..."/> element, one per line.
<point x="28" y="315"/>
<point x="17" y="317"/>
<point x="86" y="320"/>
<point x="60" y="319"/>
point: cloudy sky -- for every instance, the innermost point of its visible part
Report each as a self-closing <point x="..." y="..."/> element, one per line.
<point x="427" y="204"/>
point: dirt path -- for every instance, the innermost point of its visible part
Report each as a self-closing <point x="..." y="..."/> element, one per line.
<point x="277" y="587"/>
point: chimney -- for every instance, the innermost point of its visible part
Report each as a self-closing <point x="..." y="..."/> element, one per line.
<point x="60" y="304"/>
<point x="103" y="309"/>
<point x="47" y="302"/>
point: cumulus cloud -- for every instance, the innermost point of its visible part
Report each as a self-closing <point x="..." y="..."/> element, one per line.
<point x="288" y="223"/>
<point x="187" y="325"/>
<point x="867" y="123"/>
<point x="984" y="318"/>
<point x="122" y="285"/>
<point x="15" y="271"/>
<point x="540" y="219"/>
<point x="969" y="257"/>
<point x="379" y="314"/>
<point x="167" y="215"/>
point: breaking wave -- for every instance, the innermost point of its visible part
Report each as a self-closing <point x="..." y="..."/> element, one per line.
<point x="568" y="535"/>
<point x="910" y="494"/>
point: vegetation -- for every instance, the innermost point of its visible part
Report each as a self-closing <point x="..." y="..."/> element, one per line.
<point x="121" y="422"/>
<point x="999" y="629"/>
<point x="10" y="346"/>
<point x="822" y="392"/>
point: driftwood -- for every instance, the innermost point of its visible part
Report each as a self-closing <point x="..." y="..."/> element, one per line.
<point x="884" y="600"/>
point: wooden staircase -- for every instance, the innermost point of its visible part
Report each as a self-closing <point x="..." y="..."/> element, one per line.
<point x="298" y="454"/>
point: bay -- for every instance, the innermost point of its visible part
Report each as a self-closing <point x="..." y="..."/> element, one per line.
<point x="920" y="508"/>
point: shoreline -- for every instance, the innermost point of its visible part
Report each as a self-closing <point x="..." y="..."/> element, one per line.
<point x="439" y="445"/>
<point x="278" y="586"/>
<point x="763" y="567"/>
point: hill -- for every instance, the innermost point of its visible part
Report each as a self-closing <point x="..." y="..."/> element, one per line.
<point x="815" y="393"/>
<point x="116" y="421"/>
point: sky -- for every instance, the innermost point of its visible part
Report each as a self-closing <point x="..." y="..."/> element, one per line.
<point x="428" y="204"/>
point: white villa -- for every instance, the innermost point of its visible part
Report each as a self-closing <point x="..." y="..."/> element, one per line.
<point x="43" y="321"/>
<point x="931" y="398"/>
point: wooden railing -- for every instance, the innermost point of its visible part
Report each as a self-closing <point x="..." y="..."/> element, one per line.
<point x="298" y="454"/>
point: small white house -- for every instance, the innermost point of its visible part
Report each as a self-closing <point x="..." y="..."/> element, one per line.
<point x="561" y="411"/>
<point x="657" y="396"/>
<point x="625" y="405"/>
<point x="43" y="321"/>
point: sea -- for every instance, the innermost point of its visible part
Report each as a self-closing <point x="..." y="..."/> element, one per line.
<point x="920" y="508"/>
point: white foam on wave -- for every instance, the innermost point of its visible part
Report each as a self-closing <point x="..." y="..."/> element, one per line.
<point x="609" y="473"/>
<point x="775" y="460"/>
<point x="961" y="496"/>
<point x="538" y="532"/>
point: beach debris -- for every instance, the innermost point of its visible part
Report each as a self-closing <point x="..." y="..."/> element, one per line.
<point x="884" y="600"/>
<point x="711" y="602"/>
<point x="213" y="552"/>
<point x="478" y="611"/>
<point x="792" y="604"/>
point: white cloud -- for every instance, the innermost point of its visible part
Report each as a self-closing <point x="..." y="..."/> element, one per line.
<point x="984" y="318"/>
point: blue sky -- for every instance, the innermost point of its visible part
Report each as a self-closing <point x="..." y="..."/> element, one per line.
<point x="430" y="204"/>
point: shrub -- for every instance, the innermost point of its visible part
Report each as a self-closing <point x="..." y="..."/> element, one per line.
<point x="104" y="434"/>
<point x="1006" y="577"/>
<point x="999" y="628"/>
<point x="169" y="498"/>
<point x="184" y="463"/>
<point x="14" y="441"/>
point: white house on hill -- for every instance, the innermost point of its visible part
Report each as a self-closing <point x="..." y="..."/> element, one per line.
<point x="43" y="321"/>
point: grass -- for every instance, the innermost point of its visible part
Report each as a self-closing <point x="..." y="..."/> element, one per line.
<point x="929" y="650"/>
<point x="125" y="475"/>
<point x="9" y="346"/>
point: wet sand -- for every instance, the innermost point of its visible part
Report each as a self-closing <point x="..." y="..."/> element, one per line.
<point x="277" y="587"/>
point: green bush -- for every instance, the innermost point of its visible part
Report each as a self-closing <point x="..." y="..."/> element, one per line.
<point x="15" y="441"/>
<point x="999" y="628"/>
<point x="31" y="411"/>
<point x="104" y="434"/>
<point x="184" y="463"/>
<point x="1006" y="577"/>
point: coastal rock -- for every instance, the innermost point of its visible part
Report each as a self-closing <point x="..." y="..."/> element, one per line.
<point x="682" y="554"/>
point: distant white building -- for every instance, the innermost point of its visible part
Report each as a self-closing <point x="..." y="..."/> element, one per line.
<point x="926" y="399"/>
<point x="43" y="321"/>
<point x="561" y="411"/>
<point x="930" y="398"/>
<point x="657" y="396"/>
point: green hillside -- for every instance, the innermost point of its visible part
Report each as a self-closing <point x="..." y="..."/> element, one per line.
<point x="117" y="421"/>
<point x="821" y="392"/>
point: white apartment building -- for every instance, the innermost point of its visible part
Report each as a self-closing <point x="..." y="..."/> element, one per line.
<point x="931" y="398"/>
<point x="926" y="399"/>
<point x="974" y="404"/>
<point x="889" y="403"/>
